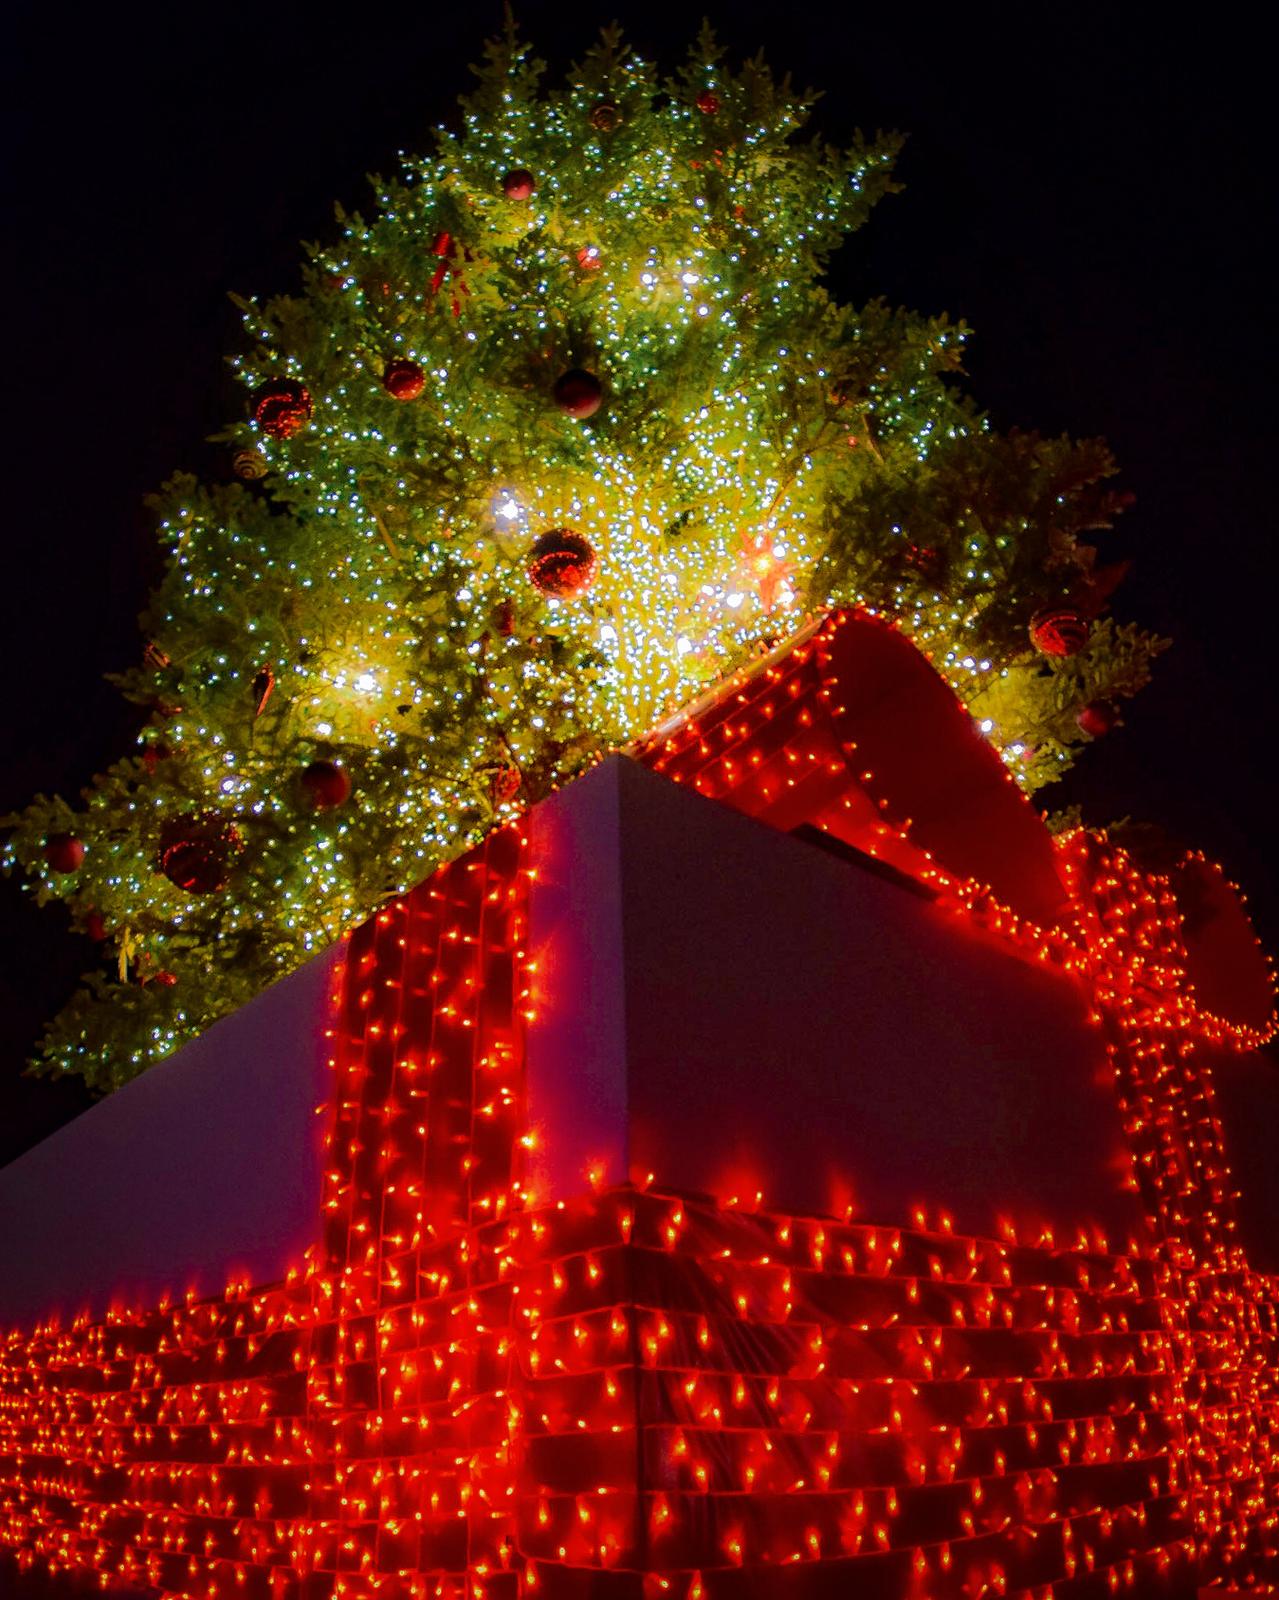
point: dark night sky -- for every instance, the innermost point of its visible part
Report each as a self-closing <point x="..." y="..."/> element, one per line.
<point x="1087" y="187"/>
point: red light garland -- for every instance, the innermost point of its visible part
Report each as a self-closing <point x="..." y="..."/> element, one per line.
<point x="638" y="1394"/>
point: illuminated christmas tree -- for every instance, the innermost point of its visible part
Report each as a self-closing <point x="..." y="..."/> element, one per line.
<point x="563" y="432"/>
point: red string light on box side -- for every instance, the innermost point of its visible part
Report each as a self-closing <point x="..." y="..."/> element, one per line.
<point x="164" y="1447"/>
<point x="415" y="1450"/>
<point x="336" y="1432"/>
<point x="1221" y="1314"/>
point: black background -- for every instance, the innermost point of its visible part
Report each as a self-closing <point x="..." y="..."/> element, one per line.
<point x="1091" y="189"/>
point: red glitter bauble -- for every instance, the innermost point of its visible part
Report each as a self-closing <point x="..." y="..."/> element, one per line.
<point x="282" y="408"/>
<point x="325" y="785"/>
<point x="404" y="380"/>
<point x="64" y="852"/>
<point x="1060" y="631"/>
<point x="197" y="852"/>
<point x="708" y="103"/>
<point x="1098" y="719"/>
<point x="519" y="184"/>
<point x="578" y="393"/>
<point x="561" y="563"/>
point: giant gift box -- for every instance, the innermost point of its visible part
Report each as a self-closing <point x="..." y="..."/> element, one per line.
<point x="774" y="1166"/>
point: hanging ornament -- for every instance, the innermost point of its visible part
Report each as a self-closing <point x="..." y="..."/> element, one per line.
<point x="281" y="408"/>
<point x="589" y="257"/>
<point x="504" y="618"/>
<point x="251" y="465"/>
<point x="606" y="116"/>
<point x="561" y="563"/>
<point x="403" y="380"/>
<point x="1059" y="631"/>
<point x="263" y="683"/>
<point x="707" y="103"/>
<point x="154" y="656"/>
<point x="1099" y="718"/>
<point x="578" y="393"/>
<point x="445" y="247"/>
<point x="504" y="779"/>
<point x="64" y="852"/>
<point x="325" y="785"/>
<point x="198" y="851"/>
<point x="166" y="979"/>
<point x="518" y="184"/>
<point x="95" y="926"/>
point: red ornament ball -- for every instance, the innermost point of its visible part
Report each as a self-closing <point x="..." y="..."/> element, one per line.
<point x="64" y="852"/>
<point x="325" y="785"/>
<point x="282" y="408"/>
<point x="589" y="258"/>
<point x="518" y="184"/>
<point x="578" y="393"/>
<point x="1098" y="719"/>
<point x="708" y="103"/>
<point x="561" y="563"/>
<point x="404" y="380"/>
<point x="1059" y="631"/>
<point x="251" y="465"/>
<point x="197" y="852"/>
<point x="166" y="979"/>
<point x="95" y="925"/>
